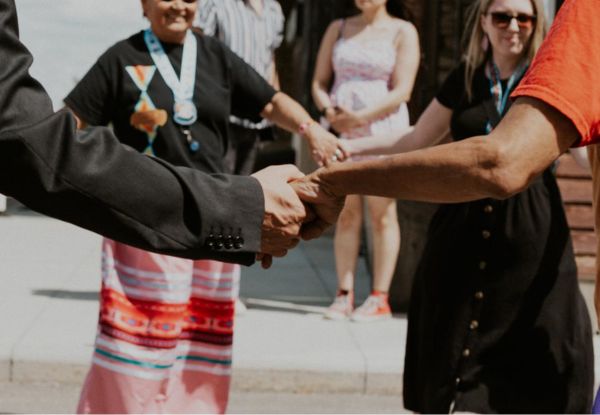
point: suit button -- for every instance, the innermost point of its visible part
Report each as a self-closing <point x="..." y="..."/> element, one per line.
<point x="219" y="245"/>
<point x="488" y="209"/>
<point x="482" y="265"/>
<point x="479" y="295"/>
<point x="228" y="245"/>
<point x="466" y="353"/>
<point x="474" y="325"/>
<point x="210" y="241"/>
<point x="238" y="242"/>
<point x="486" y="234"/>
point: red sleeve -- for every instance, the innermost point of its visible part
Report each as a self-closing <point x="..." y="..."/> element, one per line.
<point x="566" y="70"/>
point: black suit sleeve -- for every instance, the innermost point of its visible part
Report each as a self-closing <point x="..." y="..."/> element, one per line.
<point x="88" y="178"/>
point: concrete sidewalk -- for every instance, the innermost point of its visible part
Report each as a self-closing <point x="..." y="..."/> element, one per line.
<point x="48" y="303"/>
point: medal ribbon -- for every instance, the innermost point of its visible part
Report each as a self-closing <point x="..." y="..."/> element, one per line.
<point x="500" y="96"/>
<point x="183" y="89"/>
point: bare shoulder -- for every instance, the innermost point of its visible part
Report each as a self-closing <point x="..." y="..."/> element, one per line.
<point x="332" y="32"/>
<point x="404" y="27"/>
<point x="406" y="32"/>
<point x="335" y="26"/>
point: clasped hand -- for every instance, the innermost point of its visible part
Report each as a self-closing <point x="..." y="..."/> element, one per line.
<point x="296" y="206"/>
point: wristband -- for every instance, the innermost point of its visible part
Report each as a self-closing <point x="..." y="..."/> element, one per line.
<point x="303" y="129"/>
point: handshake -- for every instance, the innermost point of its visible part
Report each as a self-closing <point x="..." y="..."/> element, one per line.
<point x="296" y="207"/>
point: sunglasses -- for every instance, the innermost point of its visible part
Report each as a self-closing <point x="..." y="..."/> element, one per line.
<point x="502" y="20"/>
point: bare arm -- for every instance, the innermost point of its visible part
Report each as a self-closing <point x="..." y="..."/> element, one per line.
<point x="528" y="139"/>
<point x="431" y="128"/>
<point x="288" y="114"/>
<point x="324" y="68"/>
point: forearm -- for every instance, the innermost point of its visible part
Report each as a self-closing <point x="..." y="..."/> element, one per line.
<point x="390" y="143"/>
<point x="528" y="139"/>
<point x="286" y="113"/>
<point x="462" y="172"/>
<point x="386" y="106"/>
<point x="320" y="96"/>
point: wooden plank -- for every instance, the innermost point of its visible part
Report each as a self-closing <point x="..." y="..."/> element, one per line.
<point x="584" y="243"/>
<point x="586" y="267"/>
<point x="576" y="190"/>
<point x="580" y="217"/>
<point x="568" y="168"/>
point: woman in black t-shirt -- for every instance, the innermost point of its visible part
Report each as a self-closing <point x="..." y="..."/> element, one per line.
<point x="165" y="333"/>
<point x="496" y="322"/>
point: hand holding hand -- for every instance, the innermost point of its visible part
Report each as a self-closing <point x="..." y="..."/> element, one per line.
<point x="324" y="146"/>
<point x="346" y="146"/>
<point x="325" y="204"/>
<point x="284" y="211"/>
<point x="345" y="120"/>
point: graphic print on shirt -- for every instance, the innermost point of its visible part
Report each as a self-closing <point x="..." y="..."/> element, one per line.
<point x="142" y="76"/>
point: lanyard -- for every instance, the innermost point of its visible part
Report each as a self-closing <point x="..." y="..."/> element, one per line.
<point x="185" y="112"/>
<point x="500" y="96"/>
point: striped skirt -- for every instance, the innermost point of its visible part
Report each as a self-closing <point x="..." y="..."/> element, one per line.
<point x="165" y="334"/>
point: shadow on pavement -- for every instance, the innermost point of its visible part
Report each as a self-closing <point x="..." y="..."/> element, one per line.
<point x="16" y="208"/>
<point x="67" y="294"/>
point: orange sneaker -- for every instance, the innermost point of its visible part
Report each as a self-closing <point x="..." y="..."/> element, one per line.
<point x="342" y="306"/>
<point x="375" y="308"/>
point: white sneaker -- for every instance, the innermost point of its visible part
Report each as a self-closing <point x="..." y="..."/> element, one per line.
<point x="341" y="308"/>
<point x="374" y="308"/>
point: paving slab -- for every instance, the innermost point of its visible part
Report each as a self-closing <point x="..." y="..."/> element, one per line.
<point x="49" y="304"/>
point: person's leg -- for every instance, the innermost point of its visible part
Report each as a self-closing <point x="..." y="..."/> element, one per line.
<point x="386" y="245"/>
<point x="346" y="244"/>
<point x="386" y="240"/>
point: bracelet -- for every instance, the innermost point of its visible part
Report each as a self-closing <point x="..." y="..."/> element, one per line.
<point x="303" y="129"/>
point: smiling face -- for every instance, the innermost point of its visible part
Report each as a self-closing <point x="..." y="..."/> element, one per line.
<point x="509" y="36"/>
<point x="367" y="5"/>
<point x="170" y="19"/>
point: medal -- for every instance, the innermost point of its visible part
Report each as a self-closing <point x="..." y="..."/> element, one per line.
<point x="185" y="112"/>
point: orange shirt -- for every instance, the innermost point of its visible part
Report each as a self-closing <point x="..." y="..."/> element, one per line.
<point x="566" y="70"/>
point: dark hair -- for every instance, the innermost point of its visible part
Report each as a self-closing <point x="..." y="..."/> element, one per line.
<point x="397" y="9"/>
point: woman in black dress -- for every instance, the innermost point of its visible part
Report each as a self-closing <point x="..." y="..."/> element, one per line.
<point x="497" y="322"/>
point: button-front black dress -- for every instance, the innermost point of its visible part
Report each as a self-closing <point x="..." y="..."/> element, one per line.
<point x="497" y="322"/>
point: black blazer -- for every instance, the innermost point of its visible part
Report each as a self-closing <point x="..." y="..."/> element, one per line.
<point x="88" y="178"/>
